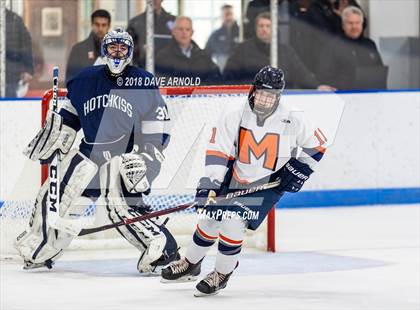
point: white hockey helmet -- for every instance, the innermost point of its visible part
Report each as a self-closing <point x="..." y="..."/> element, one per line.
<point x="118" y="36"/>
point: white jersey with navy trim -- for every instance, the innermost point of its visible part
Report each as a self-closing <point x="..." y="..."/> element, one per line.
<point x="252" y="152"/>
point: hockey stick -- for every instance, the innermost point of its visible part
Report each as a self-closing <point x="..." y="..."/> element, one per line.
<point x="70" y="226"/>
<point x="53" y="202"/>
<point x="238" y="193"/>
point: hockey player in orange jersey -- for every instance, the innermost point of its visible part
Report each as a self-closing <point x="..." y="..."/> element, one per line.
<point x="258" y="142"/>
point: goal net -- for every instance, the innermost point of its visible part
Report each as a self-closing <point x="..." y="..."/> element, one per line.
<point x="193" y="112"/>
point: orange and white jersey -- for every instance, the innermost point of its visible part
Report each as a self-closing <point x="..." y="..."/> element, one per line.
<point x="253" y="150"/>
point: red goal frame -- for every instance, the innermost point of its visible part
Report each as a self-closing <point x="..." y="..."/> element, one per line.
<point x="173" y="91"/>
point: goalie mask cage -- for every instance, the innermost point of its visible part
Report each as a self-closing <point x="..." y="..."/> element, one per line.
<point x="193" y="112"/>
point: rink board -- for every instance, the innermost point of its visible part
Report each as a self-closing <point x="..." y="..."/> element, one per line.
<point x="373" y="158"/>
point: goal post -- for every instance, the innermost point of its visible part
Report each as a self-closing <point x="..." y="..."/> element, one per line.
<point x="171" y="96"/>
<point x="193" y="112"/>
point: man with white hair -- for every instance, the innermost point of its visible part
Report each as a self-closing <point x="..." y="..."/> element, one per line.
<point x="342" y="57"/>
<point x="251" y="55"/>
<point x="182" y="57"/>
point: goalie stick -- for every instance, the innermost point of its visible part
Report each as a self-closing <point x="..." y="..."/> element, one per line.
<point x="70" y="226"/>
<point x="238" y="193"/>
<point x="53" y="202"/>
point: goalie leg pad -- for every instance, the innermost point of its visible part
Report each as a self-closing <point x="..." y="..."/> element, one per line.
<point x="79" y="171"/>
<point x="145" y="235"/>
<point x="39" y="242"/>
<point x="36" y="243"/>
<point x="170" y="253"/>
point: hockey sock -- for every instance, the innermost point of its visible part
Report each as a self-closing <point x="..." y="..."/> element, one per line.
<point x="228" y="254"/>
<point x="232" y="232"/>
<point x="204" y="237"/>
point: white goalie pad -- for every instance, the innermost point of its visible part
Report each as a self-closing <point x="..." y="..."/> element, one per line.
<point x="39" y="242"/>
<point x="133" y="171"/>
<point x="145" y="235"/>
<point x="54" y="136"/>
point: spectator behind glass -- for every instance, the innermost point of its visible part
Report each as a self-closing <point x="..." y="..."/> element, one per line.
<point x="223" y="40"/>
<point x="256" y="7"/>
<point x="325" y="15"/>
<point x="251" y="55"/>
<point x="19" y="60"/>
<point x="293" y="27"/>
<point x="343" y="56"/>
<point x="163" y="24"/>
<point x="88" y="52"/>
<point x="183" y="58"/>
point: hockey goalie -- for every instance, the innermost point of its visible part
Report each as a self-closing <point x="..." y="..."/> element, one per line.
<point x="123" y="124"/>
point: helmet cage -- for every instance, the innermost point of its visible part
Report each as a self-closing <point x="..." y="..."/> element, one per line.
<point x="265" y="101"/>
<point x="117" y="64"/>
<point x="270" y="80"/>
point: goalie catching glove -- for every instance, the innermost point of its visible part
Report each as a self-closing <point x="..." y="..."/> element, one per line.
<point x="139" y="170"/>
<point x="293" y="175"/>
<point x="53" y="136"/>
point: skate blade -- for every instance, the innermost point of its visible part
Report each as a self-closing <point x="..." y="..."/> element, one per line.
<point x="197" y="293"/>
<point x="29" y="265"/>
<point x="34" y="266"/>
<point x="180" y="280"/>
<point x="149" y="274"/>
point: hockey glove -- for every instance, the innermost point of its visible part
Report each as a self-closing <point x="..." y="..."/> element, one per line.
<point x="55" y="135"/>
<point x="207" y="191"/>
<point x="139" y="170"/>
<point x="293" y="175"/>
<point x="133" y="172"/>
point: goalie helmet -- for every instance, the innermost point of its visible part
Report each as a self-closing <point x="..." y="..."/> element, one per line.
<point x="117" y="49"/>
<point x="264" y="96"/>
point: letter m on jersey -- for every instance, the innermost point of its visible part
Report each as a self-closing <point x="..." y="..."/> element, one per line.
<point x="267" y="146"/>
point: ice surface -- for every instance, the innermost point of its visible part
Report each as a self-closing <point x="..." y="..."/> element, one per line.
<point x="334" y="258"/>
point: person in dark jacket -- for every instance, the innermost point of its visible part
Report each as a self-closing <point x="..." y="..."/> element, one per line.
<point x="163" y="24"/>
<point x="325" y="15"/>
<point x="183" y="58"/>
<point x="88" y="52"/>
<point x="351" y="50"/>
<point x="256" y="7"/>
<point x="324" y="19"/>
<point x="253" y="54"/>
<point x="222" y="41"/>
<point x="19" y="60"/>
<point x="293" y="28"/>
